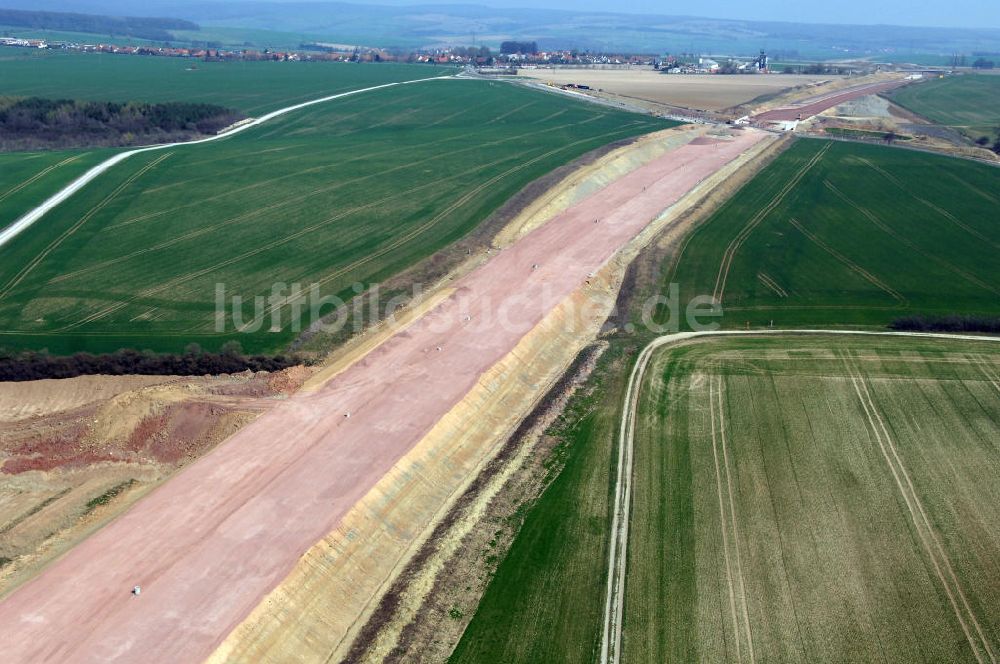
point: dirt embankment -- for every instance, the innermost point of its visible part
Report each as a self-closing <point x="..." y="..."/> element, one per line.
<point x="870" y="118"/>
<point x="75" y="452"/>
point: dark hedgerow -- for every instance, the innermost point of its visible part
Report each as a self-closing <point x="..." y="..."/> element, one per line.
<point x="34" y="122"/>
<point x="33" y="365"/>
<point x="953" y="323"/>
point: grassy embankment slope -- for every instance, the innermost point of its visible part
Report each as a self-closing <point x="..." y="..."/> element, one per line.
<point x="546" y="600"/>
<point x="969" y="103"/>
<point x="837" y="234"/>
<point x="815" y="499"/>
<point x="350" y="191"/>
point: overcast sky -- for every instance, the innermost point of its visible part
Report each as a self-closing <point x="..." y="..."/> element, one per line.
<point x="947" y="13"/>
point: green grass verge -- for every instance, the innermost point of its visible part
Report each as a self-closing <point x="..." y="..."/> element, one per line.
<point x="347" y="192"/>
<point x="969" y="103"/>
<point x="108" y="495"/>
<point x="814" y="554"/>
<point x="844" y="234"/>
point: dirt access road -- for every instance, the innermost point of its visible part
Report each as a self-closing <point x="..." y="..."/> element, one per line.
<point x="210" y="543"/>
<point x="817" y="105"/>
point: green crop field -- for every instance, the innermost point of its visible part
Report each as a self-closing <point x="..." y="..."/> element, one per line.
<point x="252" y="87"/>
<point x="816" y="500"/>
<point x="350" y="191"/>
<point x="835" y="566"/>
<point x="842" y="234"/>
<point x="970" y="103"/>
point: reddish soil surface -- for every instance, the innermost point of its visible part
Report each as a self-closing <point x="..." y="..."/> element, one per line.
<point x="817" y="105"/>
<point x="208" y="544"/>
<point x="182" y="427"/>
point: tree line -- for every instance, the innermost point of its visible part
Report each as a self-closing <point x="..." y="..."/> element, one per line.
<point x="32" y="365"/>
<point x="34" y="122"/>
<point x="155" y="29"/>
<point x="953" y="323"/>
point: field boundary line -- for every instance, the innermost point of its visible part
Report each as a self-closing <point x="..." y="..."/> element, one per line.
<point x="936" y="553"/>
<point x="737" y="242"/>
<point x="25" y="221"/>
<point x="617" y="559"/>
<point x="851" y="265"/>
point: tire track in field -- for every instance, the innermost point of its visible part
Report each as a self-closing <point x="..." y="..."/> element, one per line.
<point x="772" y="285"/>
<point x="976" y="190"/>
<point x="722" y="520"/>
<point x="511" y="112"/>
<point x="851" y="265"/>
<point x="727" y="258"/>
<point x="868" y="214"/>
<point x="27" y="269"/>
<point x="271" y="245"/>
<point x="925" y="531"/>
<point x="727" y="519"/>
<point x="42" y="173"/>
<point x="944" y="213"/>
<point x="297" y="199"/>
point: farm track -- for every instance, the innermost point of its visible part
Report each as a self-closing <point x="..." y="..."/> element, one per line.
<point x="27" y="220"/>
<point x="618" y="559"/>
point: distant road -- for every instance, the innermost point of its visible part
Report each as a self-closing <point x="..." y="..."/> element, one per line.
<point x="19" y="226"/>
<point x="817" y="105"/>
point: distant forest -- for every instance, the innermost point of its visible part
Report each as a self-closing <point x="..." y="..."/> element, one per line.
<point x="155" y="29"/>
<point x="33" y="123"/>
